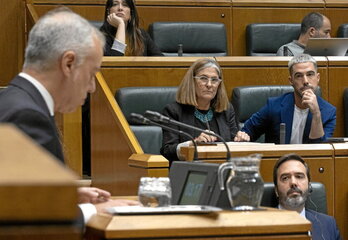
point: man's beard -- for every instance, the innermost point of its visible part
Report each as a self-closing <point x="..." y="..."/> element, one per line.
<point x="296" y="201"/>
<point x="300" y="91"/>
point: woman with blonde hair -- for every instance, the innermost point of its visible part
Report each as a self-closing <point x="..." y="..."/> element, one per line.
<point x="201" y="101"/>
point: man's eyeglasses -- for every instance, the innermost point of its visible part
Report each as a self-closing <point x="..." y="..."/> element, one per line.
<point x="206" y="79"/>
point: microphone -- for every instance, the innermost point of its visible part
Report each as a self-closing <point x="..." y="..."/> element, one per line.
<point x="141" y="119"/>
<point x="157" y="117"/>
<point x="282" y="132"/>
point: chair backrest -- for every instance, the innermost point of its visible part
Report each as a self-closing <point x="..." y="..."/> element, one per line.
<point x="264" y="39"/>
<point x="316" y="200"/>
<point x="96" y="24"/>
<point x="247" y="100"/>
<point x="343" y="30"/>
<point x="138" y="100"/>
<point x="197" y="38"/>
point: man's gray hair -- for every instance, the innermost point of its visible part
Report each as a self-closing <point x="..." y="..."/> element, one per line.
<point x="58" y="31"/>
<point x="302" y="58"/>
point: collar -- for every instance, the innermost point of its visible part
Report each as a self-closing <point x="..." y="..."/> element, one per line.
<point x="302" y="213"/>
<point x="43" y="91"/>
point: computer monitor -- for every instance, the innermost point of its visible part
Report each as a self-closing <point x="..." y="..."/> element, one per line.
<point x="196" y="183"/>
<point x="327" y="46"/>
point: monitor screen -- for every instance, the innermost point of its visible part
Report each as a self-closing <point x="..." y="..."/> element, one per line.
<point x="195" y="183"/>
<point x="193" y="188"/>
<point x="327" y="46"/>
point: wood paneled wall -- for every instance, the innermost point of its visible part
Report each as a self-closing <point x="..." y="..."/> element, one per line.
<point x="11" y="38"/>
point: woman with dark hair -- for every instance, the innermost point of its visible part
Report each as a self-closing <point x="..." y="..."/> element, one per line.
<point x="201" y="101"/>
<point x="122" y="32"/>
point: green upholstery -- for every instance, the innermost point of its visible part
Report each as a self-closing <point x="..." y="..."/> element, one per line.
<point x="138" y="100"/>
<point x="197" y="38"/>
<point x="316" y="201"/>
<point x="264" y="39"/>
<point x="247" y="100"/>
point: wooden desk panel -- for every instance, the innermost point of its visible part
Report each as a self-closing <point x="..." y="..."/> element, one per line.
<point x="269" y="224"/>
<point x="338" y="75"/>
<point x="337" y="15"/>
<point x="341" y="187"/>
<point x="278" y="3"/>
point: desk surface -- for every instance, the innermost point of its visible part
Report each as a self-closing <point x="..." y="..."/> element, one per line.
<point x="251" y="225"/>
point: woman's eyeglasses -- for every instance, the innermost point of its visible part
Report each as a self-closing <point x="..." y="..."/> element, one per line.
<point x="205" y="79"/>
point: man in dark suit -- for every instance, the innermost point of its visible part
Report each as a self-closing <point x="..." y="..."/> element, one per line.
<point x="307" y="117"/>
<point x="291" y="176"/>
<point x="63" y="54"/>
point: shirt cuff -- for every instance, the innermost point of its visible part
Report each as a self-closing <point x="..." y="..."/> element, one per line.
<point x="119" y="46"/>
<point x="183" y="144"/>
<point x="88" y="210"/>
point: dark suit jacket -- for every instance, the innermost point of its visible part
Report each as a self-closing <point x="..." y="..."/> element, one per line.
<point x="281" y="110"/>
<point x="22" y="104"/>
<point x="185" y="114"/>
<point x="323" y="226"/>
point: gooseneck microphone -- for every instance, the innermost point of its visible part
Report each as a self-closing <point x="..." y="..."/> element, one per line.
<point x="157" y="117"/>
<point x="141" y="119"/>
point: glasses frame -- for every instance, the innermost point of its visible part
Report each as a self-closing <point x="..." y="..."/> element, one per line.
<point x="208" y="79"/>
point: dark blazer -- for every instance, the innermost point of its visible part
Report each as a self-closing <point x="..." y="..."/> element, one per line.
<point x="22" y="104"/>
<point x="150" y="48"/>
<point x="281" y="110"/>
<point x="323" y="226"/>
<point x="185" y="114"/>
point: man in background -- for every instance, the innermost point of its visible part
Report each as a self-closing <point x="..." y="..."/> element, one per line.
<point x="292" y="181"/>
<point x="63" y="54"/>
<point x="307" y="117"/>
<point x="314" y="25"/>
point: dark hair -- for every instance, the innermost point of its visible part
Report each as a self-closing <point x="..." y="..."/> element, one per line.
<point x="133" y="32"/>
<point x="313" y="19"/>
<point x="288" y="157"/>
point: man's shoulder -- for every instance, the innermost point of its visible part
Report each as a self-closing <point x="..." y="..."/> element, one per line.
<point x="325" y="104"/>
<point x="286" y="97"/>
<point x="313" y="215"/>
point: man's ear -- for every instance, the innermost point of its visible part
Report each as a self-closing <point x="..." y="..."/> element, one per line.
<point x="290" y="80"/>
<point x="311" y="32"/>
<point x="68" y="62"/>
<point x="276" y="191"/>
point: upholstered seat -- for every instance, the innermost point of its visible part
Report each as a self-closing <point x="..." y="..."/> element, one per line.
<point x="247" y="100"/>
<point x="138" y="100"/>
<point x="197" y="38"/>
<point x="96" y="24"/>
<point x="264" y="39"/>
<point x="342" y="32"/>
<point x="316" y="201"/>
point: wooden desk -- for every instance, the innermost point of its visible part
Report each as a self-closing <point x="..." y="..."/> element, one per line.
<point x="320" y="158"/>
<point x="269" y="224"/>
<point x="328" y="164"/>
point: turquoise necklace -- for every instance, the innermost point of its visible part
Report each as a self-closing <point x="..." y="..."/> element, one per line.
<point x="204" y="117"/>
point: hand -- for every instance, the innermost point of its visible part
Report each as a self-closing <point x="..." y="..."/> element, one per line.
<point x="114" y="20"/>
<point x="92" y="195"/>
<point x="309" y="100"/>
<point x="242" y="137"/>
<point x="203" y="137"/>
<point x="115" y="203"/>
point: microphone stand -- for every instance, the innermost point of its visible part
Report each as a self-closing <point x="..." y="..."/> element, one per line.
<point x="157" y="117"/>
<point x="147" y="121"/>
